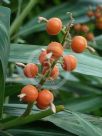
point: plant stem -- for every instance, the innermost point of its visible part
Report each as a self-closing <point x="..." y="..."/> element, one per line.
<point x="66" y="34"/>
<point x="18" y="21"/>
<point x="28" y="109"/>
<point x="43" y="80"/>
<point x="67" y="31"/>
<point x="24" y="120"/>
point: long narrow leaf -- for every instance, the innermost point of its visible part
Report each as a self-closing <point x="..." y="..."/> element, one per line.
<point x="4" y="50"/>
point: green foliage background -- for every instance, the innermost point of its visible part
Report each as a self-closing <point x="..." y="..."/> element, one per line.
<point x="82" y="92"/>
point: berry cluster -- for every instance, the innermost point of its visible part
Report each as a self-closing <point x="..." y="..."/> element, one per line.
<point x="97" y="15"/>
<point x="83" y="29"/>
<point x="30" y="94"/>
<point x="48" y="58"/>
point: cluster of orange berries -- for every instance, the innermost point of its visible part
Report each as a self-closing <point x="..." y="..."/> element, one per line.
<point x="48" y="59"/>
<point x="97" y="15"/>
<point x="85" y="30"/>
<point x="31" y="94"/>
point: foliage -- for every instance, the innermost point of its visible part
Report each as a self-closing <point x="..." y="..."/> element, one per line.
<point x="79" y="91"/>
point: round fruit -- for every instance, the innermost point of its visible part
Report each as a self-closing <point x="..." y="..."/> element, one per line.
<point x="31" y="93"/>
<point x="77" y="27"/>
<point x="53" y="26"/>
<point x="84" y="28"/>
<point x="30" y="70"/>
<point x="69" y="63"/>
<point x="90" y="13"/>
<point x="56" y="49"/>
<point x="45" y="97"/>
<point x="89" y="36"/>
<point x="98" y="14"/>
<point x="54" y="73"/>
<point x="79" y="44"/>
<point x="41" y="107"/>
<point x="42" y="57"/>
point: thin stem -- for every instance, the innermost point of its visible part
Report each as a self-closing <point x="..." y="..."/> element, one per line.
<point x="18" y="21"/>
<point x="24" y="120"/>
<point x="67" y="29"/>
<point x="28" y="109"/>
<point x="43" y="80"/>
<point x="19" y="7"/>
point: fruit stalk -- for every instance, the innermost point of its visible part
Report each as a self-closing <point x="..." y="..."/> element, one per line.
<point x="43" y="80"/>
<point x="67" y="29"/>
<point x="28" y="109"/>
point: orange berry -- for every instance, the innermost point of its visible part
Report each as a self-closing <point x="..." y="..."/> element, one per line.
<point x="90" y="36"/>
<point x="77" y="27"/>
<point x="79" y="44"/>
<point x="43" y="60"/>
<point x="45" y="97"/>
<point x="56" y="49"/>
<point x="30" y="70"/>
<point x="54" y="73"/>
<point x="53" y="26"/>
<point x="69" y="63"/>
<point x="84" y="28"/>
<point x="31" y="93"/>
<point x="41" y="107"/>
<point x="98" y="14"/>
<point x="99" y="25"/>
<point x="42" y="57"/>
<point x="90" y="13"/>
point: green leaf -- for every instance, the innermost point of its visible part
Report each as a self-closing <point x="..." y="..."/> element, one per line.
<point x="11" y="89"/>
<point x="17" y="109"/>
<point x="89" y="128"/>
<point x="98" y="42"/>
<point x="4" y="50"/>
<point x="40" y="132"/>
<point x="6" y="1"/>
<point x="68" y="121"/>
<point x="85" y="104"/>
<point x="5" y="133"/>
<point x="87" y="64"/>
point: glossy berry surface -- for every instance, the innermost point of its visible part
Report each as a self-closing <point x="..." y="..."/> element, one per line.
<point x="69" y="63"/>
<point x="45" y="97"/>
<point x="77" y="27"/>
<point x="41" y="107"/>
<point x="84" y="28"/>
<point x="30" y="70"/>
<point x="79" y="44"/>
<point x="56" y="49"/>
<point x="90" y="36"/>
<point x="53" y="26"/>
<point x="31" y="93"/>
<point x="42" y="56"/>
